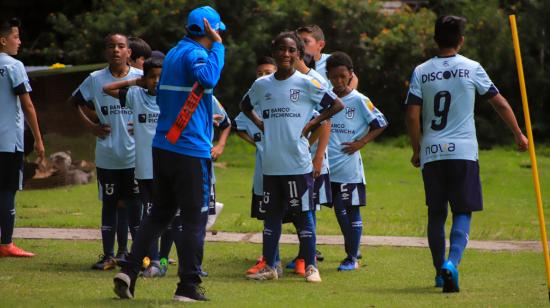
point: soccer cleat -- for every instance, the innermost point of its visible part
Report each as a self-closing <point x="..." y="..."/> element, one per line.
<point x="319" y="256"/>
<point x="153" y="271"/>
<point x="348" y="265"/>
<point x="10" y="250"/>
<point x="189" y="293"/>
<point x="312" y="274"/>
<point x="163" y="266"/>
<point x="279" y="269"/>
<point x="120" y="258"/>
<point x="124" y="286"/>
<point x="300" y="268"/>
<point x="291" y="264"/>
<point x="450" y="277"/>
<point x="105" y="263"/>
<point x="266" y="273"/>
<point x="257" y="267"/>
<point x="146" y="262"/>
<point x="439" y="281"/>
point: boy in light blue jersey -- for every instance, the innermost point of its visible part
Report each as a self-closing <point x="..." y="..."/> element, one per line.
<point x="358" y="124"/>
<point x="440" y="122"/>
<point x="142" y="100"/>
<point x="16" y="106"/>
<point x="115" y="148"/>
<point x="287" y="100"/>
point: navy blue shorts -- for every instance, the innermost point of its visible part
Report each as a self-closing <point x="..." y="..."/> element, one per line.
<point x="116" y="184"/>
<point x="256" y="209"/>
<point x="322" y="192"/>
<point x="212" y="200"/>
<point x="454" y="181"/>
<point x="349" y="194"/>
<point x="11" y="170"/>
<point x="146" y="195"/>
<point x="288" y="193"/>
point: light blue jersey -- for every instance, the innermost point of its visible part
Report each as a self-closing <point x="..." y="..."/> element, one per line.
<point x="286" y="106"/>
<point x="321" y="67"/>
<point x="13" y="82"/>
<point x="323" y="80"/>
<point x="445" y="88"/>
<point x="313" y="150"/>
<point x="145" y="116"/>
<point x="243" y="123"/>
<point x="217" y="108"/>
<point x="352" y="123"/>
<point x="116" y="150"/>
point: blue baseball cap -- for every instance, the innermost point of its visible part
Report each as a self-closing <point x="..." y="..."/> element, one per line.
<point x="195" y="23"/>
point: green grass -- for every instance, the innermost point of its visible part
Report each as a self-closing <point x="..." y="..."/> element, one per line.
<point x="395" y="194"/>
<point x="398" y="277"/>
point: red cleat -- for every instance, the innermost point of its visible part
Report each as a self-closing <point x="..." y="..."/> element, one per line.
<point x="257" y="267"/>
<point x="11" y="250"/>
<point x="300" y="268"/>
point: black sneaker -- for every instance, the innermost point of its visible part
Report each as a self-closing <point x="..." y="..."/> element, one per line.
<point x="105" y="263"/>
<point x="120" y="258"/>
<point x="319" y="256"/>
<point x="189" y="293"/>
<point x="124" y="285"/>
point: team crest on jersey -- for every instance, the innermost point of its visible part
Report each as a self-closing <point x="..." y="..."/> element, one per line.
<point x="294" y="95"/>
<point x="350" y="112"/>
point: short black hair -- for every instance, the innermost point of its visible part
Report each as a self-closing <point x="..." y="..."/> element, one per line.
<point x="266" y="60"/>
<point x="339" y="58"/>
<point x="448" y="30"/>
<point x="151" y="63"/>
<point x="314" y="30"/>
<point x="110" y="35"/>
<point x="293" y="36"/>
<point x="157" y="54"/>
<point x="139" y="47"/>
<point x="7" y="24"/>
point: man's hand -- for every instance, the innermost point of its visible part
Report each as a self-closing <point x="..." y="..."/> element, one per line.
<point x="217" y="151"/>
<point x="101" y="130"/>
<point x="352" y="147"/>
<point x="40" y="151"/>
<point x="415" y="159"/>
<point x="217" y="119"/>
<point x="317" y="166"/>
<point x="522" y="142"/>
<point x="211" y="33"/>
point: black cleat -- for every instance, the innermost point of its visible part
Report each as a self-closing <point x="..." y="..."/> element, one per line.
<point x="189" y="293"/>
<point x="124" y="286"/>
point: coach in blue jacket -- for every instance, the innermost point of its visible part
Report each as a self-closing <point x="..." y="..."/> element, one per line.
<point x="182" y="169"/>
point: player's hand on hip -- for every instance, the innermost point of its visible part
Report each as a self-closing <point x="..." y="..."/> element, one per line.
<point x="522" y="142"/>
<point x="101" y="130"/>
<point x="216" y="151"/>
<point x="415" y="160"/>
<point x="351" y="147"/>
<point x="211" y="33"/>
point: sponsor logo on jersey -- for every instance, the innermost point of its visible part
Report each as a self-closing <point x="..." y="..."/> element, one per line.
<point x="340" y="128"/>
<point x="105" y="110"/>
<point x="280" y="112"/>
<point x="441" y="75"/>
<point x="257" y="137"/>
<point x="350" y="112"/>
<point x="265" y="114"/>
<point x="114" y="109"/>
<point x="142" y="118"/>
<point x="440" y="148"/>
<point x="2" y="72"/>
<point x="294" y="95"/>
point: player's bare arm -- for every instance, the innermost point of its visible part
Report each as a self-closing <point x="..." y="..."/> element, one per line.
<point x="217" y="150"/>
<point x="113" y="89"/>
<point x="323" y="133"/>
<point x="354" y="146"/>
<point x="336" y="106"/>
<point x="354" y="81"/>
<point x="97" y="129"/>
<point x="30" y="116"/>
<point x="413" y="129"/>
<point x="501" y="106"/>
<point x="244" y="136"/>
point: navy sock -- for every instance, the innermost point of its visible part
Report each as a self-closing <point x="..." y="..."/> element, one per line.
<point x="271" y="235"/>
<point x="122" y="227"/>
<point x="307" y="237"/>
<point x="166" y="241"/>
<point x="108" y="227"/>
<point x="459" y="236"/>
<point x="356" y="227"/>
<point x="7" y="215"/>
<point x="134" y="209"/>
<point x="301" y="247"/>
<point x="436" y="236"/>
<point x="344" y="222"/>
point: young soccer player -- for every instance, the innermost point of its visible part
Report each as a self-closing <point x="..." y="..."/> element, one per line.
<point x="141" y="51"/>
<point x="16" y="106"/>
<point x="115" y="152"/>
<point x="359" y="124"/>
<point x="314" y="41"/>
<point x="440" y="122"/>
<point x="139" y="95"/>
<point x="181" y="165"/>
<point x="287" y="100"/>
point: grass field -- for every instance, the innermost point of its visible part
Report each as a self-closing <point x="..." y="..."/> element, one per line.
<point x="397" y="277"/>
<point x="395" y="194"/>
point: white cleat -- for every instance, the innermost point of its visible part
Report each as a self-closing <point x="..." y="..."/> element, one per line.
<point x="312" y="274"/>
<point x="266" y="273"/>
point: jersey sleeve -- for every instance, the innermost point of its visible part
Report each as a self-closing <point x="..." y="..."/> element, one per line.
<point x="372" y="115"/>
<point x="217" y="108"/>
<point x="483" y="83"/>
<point x="240" y="122"/>
<point x="321" y="97"/>
<point x="250" y="99"/>
<point x="414" y="96"/>
<point x="84" y="93"/>
<point x="207" y="66"/>
<point x="19" y="79"/>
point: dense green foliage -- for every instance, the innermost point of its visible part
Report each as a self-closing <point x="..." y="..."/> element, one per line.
<point x="385" y="47"/>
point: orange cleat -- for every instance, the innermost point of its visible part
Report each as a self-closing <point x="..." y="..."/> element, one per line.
<point x="300" y="268"/>
<point x="10" y="250"/>
<point x="257" y="267"/>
